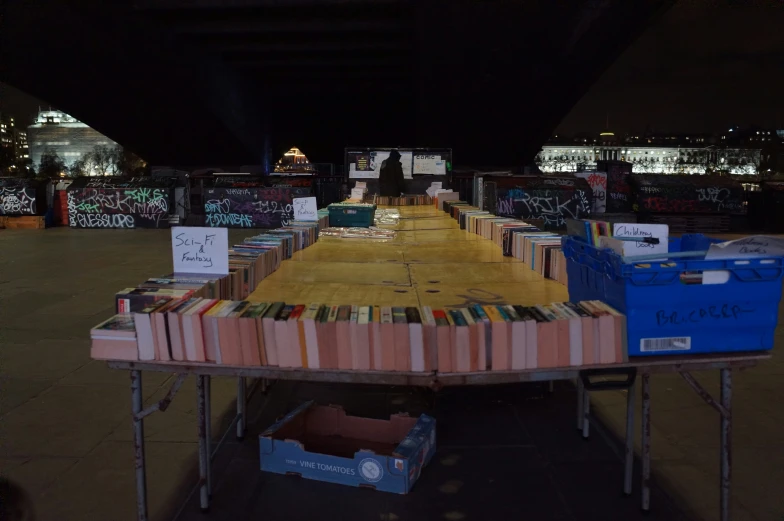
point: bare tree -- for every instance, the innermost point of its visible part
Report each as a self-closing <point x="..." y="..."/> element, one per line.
<point x="79" y="168"/>
<point x="128" y="163"/>
<point x="52" y="165"/>
<point x="101" y="161"/>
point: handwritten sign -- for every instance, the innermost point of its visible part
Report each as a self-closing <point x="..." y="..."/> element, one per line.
<point x="634" y="247"/>
<point x="748" y="247"/>
<point x="658" y="231"/>
<point x="426" y="164"/>
<point x="357" y="193"/>
<point x="305" y="209"/>
<point x="754" y="246"/>
<point x="200" y="250"/>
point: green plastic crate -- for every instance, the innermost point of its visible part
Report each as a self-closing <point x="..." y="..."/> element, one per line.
<point x="351" y="215"/>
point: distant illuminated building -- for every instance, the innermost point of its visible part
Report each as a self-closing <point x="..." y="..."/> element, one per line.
<point x="21" y="148"/>
<point x="14" y="139"/>
<point x="294" y="162"/>
<point x="651" y="154"/>
<point x="68" y="137"/>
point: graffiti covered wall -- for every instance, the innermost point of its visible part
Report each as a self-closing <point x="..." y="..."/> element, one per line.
<point x="22" y="196"/>
<point x="551" y="199"/>
<point x="120" y="202"/>
<point x="252" y="207"/>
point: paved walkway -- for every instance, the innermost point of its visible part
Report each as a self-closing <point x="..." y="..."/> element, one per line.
<point x="504" y="452"/>
<point x="64" y="419"/>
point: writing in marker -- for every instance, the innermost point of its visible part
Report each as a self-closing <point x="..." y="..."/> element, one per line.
<point x="647" y="240"/>
<point x="723" y="312"/>
<point x="205" y="261"/>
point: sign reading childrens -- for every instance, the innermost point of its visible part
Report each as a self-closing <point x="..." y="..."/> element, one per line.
<point x="305" y="209"/>
<point x="200" y="250"/>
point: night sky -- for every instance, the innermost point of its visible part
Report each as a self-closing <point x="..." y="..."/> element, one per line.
<point x="700" y="68"/>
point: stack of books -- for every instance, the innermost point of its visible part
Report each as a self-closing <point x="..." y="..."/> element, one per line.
<point x="540" y="251"/>
<point x="403" y="200"/>
<point x="250" y="262"/>
<point x="323" y="218"/>
<point x="115" y="339"/>
<point x="366" y="338"/>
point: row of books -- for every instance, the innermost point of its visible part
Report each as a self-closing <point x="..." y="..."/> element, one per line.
<point x="365" y="338"/>
<point x="403" y="200"/>
<point x="250" y="262"/>
<point x="540" y="251"/>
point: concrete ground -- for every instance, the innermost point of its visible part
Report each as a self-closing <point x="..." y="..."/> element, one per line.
<point x="503" y="452"/>
<point x="64" y="419"/>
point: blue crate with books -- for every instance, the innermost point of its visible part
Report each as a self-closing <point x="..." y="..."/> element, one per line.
<point x="682" y="303"/>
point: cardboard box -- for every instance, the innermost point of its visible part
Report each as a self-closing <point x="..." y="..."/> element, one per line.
<point x="325" y="444"/>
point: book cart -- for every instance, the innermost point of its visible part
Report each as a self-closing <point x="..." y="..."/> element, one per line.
<point x="422" y="260"/>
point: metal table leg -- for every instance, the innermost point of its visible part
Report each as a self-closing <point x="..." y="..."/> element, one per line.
<point x="580" y="391"/>
<point x="724" y="406"/>
<point x="204" y="456"/>
<point x="241" y="407"/>
<point x="629" y="449"/>
<point x="726" y="442"/>
<point x="137" y="402"/>
<point x="208" y="429"/>
<point x="586" y="412"/>
<point x="646" y="441"/>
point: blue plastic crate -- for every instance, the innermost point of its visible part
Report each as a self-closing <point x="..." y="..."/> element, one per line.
<point x="666" y="315"/>
<point x="348" y="216"/>
<point x="585" y="267"/>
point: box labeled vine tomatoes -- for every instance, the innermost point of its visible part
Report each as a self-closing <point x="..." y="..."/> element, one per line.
<point x="326" y="444"/>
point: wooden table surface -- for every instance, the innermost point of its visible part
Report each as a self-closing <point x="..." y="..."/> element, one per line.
<point x="431" y="262"/>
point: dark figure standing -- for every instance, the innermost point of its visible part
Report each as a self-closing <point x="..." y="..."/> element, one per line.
<point x="391" y="177"/>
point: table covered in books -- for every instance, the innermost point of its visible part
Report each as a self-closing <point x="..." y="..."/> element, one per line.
<point x="433" y="305"/>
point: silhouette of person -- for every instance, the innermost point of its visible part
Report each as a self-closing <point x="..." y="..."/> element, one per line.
<point x="390" y="178"/>
<point x="15" y="503"/>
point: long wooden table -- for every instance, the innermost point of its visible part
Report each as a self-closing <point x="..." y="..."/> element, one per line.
<point x="431" y="262"/>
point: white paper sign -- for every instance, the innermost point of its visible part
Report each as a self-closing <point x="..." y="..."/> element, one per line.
<point x="305" y="209"/>
<point x="357" y="193"/>
<point x="406" y="158"/>
<point x="433" y="191"/>
<point x="426" y="164"/>
<point x="358" y="174"/>
<point x="200" y="250"/>
<point x="440" y="167"/>
<point x="755" y="246"/>
<point x="377" y="158"/>
<point x="360" y="184"/>
<point x="633" y="248"/>
<point x="658" y="231"/>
